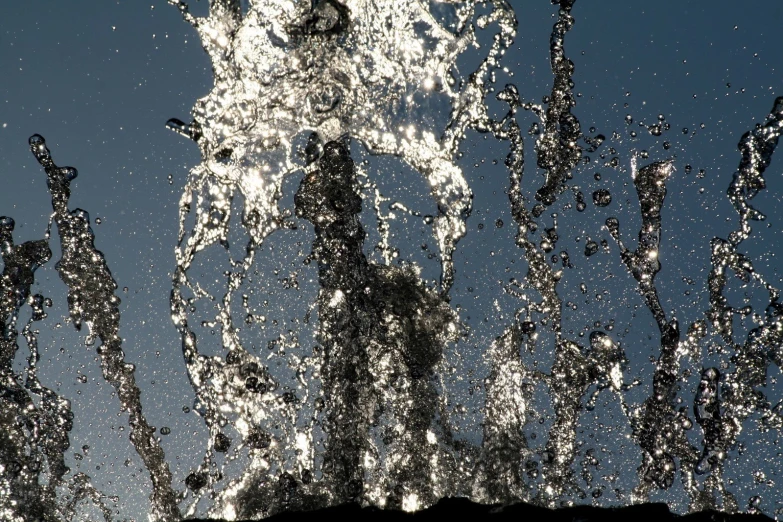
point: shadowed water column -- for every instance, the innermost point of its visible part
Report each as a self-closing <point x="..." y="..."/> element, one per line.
<point x="328" y="199"/>
<point x="382" y="333"/>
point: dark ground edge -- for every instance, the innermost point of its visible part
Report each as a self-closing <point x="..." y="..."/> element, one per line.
<point x="463" y="509"/>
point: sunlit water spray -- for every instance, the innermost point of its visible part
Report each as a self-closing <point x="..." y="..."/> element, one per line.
<point x="352" y="403"/>
<point x="383" y="74"/>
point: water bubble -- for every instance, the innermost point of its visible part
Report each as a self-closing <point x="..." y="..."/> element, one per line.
<point x="258" y="439"/>
<point x="7" y="224"/>
<point x="196" y="481"/>
<point x="222" y="443"/>
<point x="602" y="198"/>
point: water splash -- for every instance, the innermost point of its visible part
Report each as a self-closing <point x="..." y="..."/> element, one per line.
<point x="331" y="72"/>
<point x="382" y="74"/>
<point x="365" y="411"/>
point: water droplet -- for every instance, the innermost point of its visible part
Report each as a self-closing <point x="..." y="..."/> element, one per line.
<point x="602" y="198"/>
<point x="222" y="443"/>
<point x="196" y="481"/>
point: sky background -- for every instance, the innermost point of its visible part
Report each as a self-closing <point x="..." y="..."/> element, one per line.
<point x="99" y="79"/>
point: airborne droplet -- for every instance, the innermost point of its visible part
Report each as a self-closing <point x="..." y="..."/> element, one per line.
<point x="602" y="198"/>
